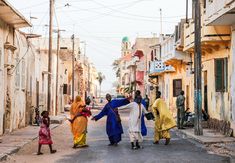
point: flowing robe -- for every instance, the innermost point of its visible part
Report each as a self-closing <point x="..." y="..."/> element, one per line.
<point x="164" y="120"/>
<point x="113" y="124"/>
<point x="79" y="125"/>
<point x="135" y="120"/>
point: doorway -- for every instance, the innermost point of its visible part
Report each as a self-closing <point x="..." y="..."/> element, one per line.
<point x="187" y="96"/>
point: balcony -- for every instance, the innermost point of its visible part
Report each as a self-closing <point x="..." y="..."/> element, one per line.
<point x="158" y="68"/>
<point x="170" y="54"/>
<point x="220" y="12"/>
<point x="211" y="36"/>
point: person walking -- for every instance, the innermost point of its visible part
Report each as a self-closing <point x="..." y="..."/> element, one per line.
<point x="163" y="120"/>
<point x="146" y="99"/>
<point x="180" y="104"/>
<point x="45" y="133"/>
<point x="136" y="111"/>
<point x="144" y="130"/>
<point x="79" y="122"/>
<point x="113" y="124"/>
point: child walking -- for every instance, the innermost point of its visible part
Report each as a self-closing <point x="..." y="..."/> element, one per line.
<point x="44" y="133"/>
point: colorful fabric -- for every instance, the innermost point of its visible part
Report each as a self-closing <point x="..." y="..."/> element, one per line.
<point x="115" y="138"/>
<point x="80" y="141"/>
<point x="113" y="124"/>
<point x="163" y="119"/>
<point x="79" y="125"/>
<point x="87" y="113"/>
<point x="44" y="135"/>
<point x="161" y="135"/>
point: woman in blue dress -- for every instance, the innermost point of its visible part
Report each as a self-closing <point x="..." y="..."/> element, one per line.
<point x="113" y="124"/>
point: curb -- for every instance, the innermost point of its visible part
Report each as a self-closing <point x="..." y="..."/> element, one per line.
<point x="9" y="152"/>
<point x="184" y="134"/>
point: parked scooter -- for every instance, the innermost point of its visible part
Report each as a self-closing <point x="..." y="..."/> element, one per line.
<point x="189" y="118"/>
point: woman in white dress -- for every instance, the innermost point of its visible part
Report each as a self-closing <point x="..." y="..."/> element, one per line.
<point x="136" y="111"/>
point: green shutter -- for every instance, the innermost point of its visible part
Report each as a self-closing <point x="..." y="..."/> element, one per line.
<point x="219" y="75"/>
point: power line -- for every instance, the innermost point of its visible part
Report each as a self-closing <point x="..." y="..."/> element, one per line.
<point x="126" y="13"/>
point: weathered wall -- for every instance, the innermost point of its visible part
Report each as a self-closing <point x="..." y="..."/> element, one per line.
<point x="233" y="74"/>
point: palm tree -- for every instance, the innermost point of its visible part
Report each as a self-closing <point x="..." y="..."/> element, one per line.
<point x="116" y="67"/>
<point x="100" y="79"/>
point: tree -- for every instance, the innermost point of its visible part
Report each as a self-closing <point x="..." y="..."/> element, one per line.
<point x="100" y="79"/>
<point x="116" y="67"/>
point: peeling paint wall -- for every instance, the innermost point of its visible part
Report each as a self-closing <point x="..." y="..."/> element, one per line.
<point x="232" y="101"/>
<point x="218" y="102"/>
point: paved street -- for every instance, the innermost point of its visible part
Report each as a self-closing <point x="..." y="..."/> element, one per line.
<point x="180" y="150"/>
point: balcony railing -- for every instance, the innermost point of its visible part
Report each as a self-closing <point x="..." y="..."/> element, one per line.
<point x="217" y="12"/>
<point x="158" y="68"/>
<point x="208" y="34"/>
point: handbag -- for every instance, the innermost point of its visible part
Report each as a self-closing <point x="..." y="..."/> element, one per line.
<point x="149" y="116"/>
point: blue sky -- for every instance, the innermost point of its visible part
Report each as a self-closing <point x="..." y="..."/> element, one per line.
<point x="103" y="23"/>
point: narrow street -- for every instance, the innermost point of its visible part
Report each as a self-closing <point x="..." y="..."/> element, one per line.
<point x="179" y="150"/>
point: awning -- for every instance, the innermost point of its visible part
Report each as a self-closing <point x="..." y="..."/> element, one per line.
<point x="11" y="16"/>
<point x="140" y="77"/>
<point x="139" y="53"/>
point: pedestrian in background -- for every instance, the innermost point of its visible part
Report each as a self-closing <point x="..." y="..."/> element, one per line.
<point x="180" y="103"/>
<point x="163" y="120"/>
<point x="146" y="99"/>
<point x="45" y="133"/>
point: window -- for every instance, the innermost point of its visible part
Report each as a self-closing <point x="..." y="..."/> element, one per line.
<point x="177" y="87"/>
<point x="152" y="55"/>
<point x="23" y="76"/>
<point x="221" y="75"/>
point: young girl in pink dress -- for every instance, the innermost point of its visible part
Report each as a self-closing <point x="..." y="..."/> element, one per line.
<point x="44" y="133"/>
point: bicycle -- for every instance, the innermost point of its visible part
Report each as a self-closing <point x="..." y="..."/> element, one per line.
<point x="37" y="118"/>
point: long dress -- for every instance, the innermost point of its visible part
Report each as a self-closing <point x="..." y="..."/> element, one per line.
<point x="113" y="124"/>
<point x="164" y="120"/>
<point x="136" y="112"/>
<point x="45" y="133"/>
<point x="79" y="125"/>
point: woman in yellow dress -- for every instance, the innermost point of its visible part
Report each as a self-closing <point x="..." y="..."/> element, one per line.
<point x="78" y="122"/>
<point x="163" y="120"/>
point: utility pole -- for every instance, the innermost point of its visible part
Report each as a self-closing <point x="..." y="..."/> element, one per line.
<point x="73" y="58"/>
<point x="160" y="21"/>
<point x="57" y="67"/>
<point x="197" y="70"/>
<point x="50" y="57"/>
<point x="186" y="11"/>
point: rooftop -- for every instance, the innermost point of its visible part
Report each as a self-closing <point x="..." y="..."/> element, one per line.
<point x="11" y="16"/>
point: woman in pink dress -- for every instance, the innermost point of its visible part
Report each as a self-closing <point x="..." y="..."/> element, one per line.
<point x="44" y="133"/>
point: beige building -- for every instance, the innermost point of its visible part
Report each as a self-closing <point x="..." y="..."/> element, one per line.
<point x="15" y="53"/>
<point x="221" y="13"/>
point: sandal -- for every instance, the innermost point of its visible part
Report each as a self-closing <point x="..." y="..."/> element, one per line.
<point x="39" y="153"/>
<point x="53" y="151"/>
